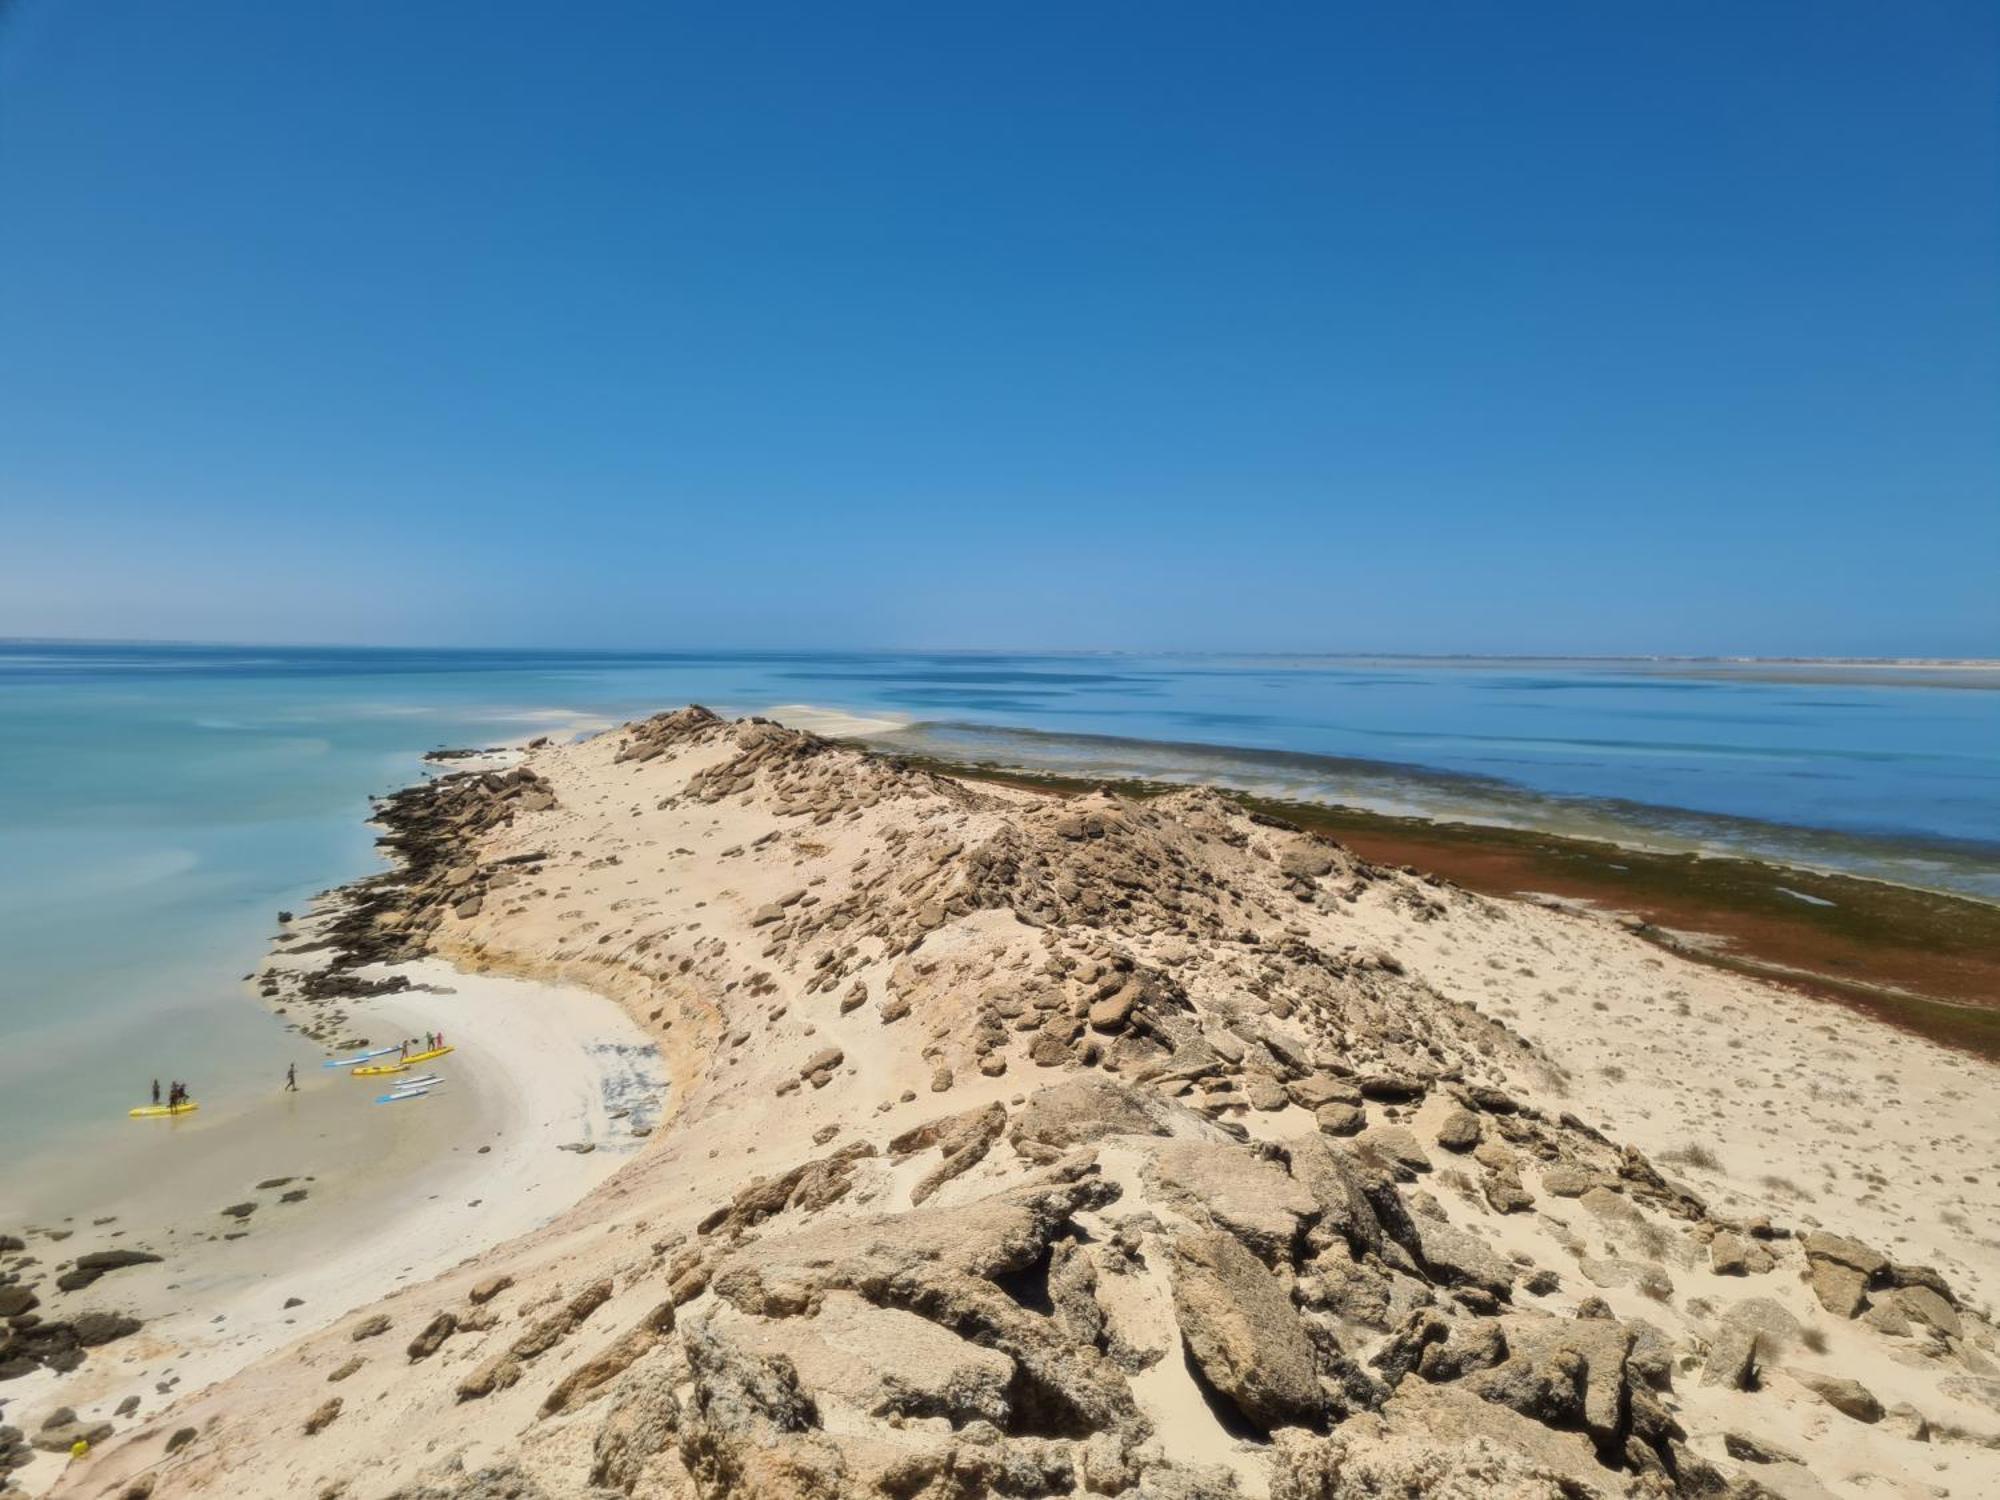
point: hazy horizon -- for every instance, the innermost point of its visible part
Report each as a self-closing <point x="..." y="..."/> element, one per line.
<point x="868" y="647"/>
<point x="507" y="648"/>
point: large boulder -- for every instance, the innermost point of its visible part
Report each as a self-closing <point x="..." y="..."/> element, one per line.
<point x="749" y="1426"/>
<point x="1086" y="1109"/>
<point x="1567" y="1372"/>
<point x="94" y="1328"/>
<point x="87" y="1268"/>
<point x="1842" y="1290"/>
<point x="882" y="1361"/>
<point x="1458" y="1257"/>
<point x="1339" y="1185"/>
<point x="942" y="1265"/>
<point x="1848" y="1397"/>
<point x="1459" y="1131"/>
<point x="113" y="1260"/>
<point x="1396" y="1148"/>
<point x="643" y="1421"/>
<point x="1227" y="1187"/>
<point x="1440" y="1442"/>
<point x="1732" y="1254"/>
<point x="1841" y="1271"/>
<point x="1242" y="1333"/>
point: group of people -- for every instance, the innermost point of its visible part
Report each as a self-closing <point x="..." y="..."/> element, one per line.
<point x="177" y="1093"/>
<point x="432" y="1040"/>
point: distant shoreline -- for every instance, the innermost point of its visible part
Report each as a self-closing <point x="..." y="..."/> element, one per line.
<point x="642" y="653"/>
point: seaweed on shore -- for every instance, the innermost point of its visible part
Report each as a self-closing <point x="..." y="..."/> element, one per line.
<point x="1923" y="960"/>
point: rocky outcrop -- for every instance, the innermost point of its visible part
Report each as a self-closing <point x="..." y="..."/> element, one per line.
<point x="1087" y="1146"/>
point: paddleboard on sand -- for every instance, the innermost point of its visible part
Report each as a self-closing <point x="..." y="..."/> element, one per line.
<point x="161" y="1111"/>
<point x="398" y="1095"/>
<point x="348" y="1062"/>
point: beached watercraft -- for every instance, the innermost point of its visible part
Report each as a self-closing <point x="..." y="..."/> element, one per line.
<point x="395" y="1095"/>
<point x="349" y="1062"/>
<point x="161" y="1111"/>
<point x="377" y="1070"/>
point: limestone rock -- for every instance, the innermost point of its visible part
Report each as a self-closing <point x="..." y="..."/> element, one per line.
<point x="1457" y="1257"/>
<point x="1241" y="1331"/>
<point x="1396" y="1147"/>
<point x="1084" y="1110"/>
<point x="1730" y="1254"/>
<point x="441" y="1327"/>
<point x="1459" y="1131"/>
<point x="1226" y="1187"/>
<point x="1848" y="1397"/>
<point x="1842" y="1270"/>
<point x="1341" y="1119"/>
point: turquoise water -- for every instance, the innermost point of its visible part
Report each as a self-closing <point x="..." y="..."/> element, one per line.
<point x="159" y="804"/>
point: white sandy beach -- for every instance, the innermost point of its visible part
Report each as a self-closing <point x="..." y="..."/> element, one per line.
<point x="396" y="1194"/>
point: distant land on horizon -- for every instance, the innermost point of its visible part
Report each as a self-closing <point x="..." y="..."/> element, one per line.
<point x="1693" y="658"/>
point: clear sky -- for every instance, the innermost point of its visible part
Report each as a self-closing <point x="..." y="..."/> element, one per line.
<point x="1570" y="327"/>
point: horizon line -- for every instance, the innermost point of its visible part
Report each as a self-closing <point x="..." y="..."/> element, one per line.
<point x="1718" y="658"/>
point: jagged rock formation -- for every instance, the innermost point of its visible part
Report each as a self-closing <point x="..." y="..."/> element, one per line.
<point x="1033" y="1148"/>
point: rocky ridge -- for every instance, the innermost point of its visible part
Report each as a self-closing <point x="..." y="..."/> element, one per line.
<point x="1036" y="1147"/>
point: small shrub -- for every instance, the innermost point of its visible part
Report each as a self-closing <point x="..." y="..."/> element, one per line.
<point x="1694" y="1154"/>
<point x="1652" y="1239"/>
<point x="1785" y="1185"/>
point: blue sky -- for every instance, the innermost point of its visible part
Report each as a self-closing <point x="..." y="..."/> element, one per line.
<point x="1304" y="327"/>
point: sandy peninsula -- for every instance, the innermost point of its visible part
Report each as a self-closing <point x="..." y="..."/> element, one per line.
<point x="1058" y="1146"/>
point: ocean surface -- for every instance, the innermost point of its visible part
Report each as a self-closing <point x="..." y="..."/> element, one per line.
<point x="159" y="804"/>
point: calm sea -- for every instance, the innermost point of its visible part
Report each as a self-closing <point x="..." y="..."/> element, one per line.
<point x="158" y="804"/>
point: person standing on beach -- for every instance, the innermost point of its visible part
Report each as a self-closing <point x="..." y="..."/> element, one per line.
<point x="156" y="1091"/>
<point x="292" y="1077"/>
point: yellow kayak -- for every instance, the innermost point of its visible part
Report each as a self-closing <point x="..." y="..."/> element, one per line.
<point x="376" y="1070"/>
<point x="161" y="1111"/>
